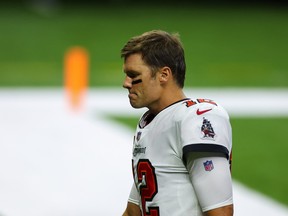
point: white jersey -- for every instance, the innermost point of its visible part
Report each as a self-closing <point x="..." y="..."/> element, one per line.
<point x="162" y="183"/>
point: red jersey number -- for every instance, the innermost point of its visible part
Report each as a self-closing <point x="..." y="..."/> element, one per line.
<point x="148" y="186"/>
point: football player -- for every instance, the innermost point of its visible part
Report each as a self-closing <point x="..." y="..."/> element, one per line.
<point x="182" y="147"/>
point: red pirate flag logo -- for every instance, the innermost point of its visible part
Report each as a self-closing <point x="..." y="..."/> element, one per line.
<point x="207" y="129"/>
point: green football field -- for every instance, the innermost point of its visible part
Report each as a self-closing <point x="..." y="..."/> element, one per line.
<point x="225" y="47"/>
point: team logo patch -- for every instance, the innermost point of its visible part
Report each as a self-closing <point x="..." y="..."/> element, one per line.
<point x="207" y="129"/>
<point x="208" y="165"/>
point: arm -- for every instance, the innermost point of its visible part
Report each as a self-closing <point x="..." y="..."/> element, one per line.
<point x="132" y="210"/>
<point x="222" y="211"/>
<point x="213" y="187"/>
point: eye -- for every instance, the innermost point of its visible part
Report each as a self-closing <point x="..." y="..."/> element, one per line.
<point x="132" y="74"/>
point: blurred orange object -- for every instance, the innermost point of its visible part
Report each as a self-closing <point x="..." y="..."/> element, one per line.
<point x="76" y="66"/>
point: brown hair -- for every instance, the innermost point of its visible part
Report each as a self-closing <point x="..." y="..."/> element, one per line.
<point x="159" y="49"/>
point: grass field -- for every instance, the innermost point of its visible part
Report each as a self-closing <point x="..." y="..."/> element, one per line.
<point x="224" y="46"/>
<point x="235" y="47"/>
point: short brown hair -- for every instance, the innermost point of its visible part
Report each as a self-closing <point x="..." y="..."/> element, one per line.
<point x="159" y="49"/>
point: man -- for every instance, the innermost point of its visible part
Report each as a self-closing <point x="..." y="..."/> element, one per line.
<point x="182" y="147"/>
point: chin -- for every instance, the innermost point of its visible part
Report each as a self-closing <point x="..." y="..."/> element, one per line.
<point x="136" y="106"/>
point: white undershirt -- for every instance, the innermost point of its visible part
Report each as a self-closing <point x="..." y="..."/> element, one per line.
<point x="213" y="188"/>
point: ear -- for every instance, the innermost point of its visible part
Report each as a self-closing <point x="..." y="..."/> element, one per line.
<point x="165" y="74"/>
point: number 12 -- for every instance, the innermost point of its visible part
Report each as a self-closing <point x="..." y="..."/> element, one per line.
<point x="147" y="184"/>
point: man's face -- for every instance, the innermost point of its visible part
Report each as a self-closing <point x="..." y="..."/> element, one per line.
<point x="144" y="90"/>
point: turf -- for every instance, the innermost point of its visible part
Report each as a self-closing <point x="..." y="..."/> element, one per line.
<point x="225" y="46"/>
<point x="259" y="153"/>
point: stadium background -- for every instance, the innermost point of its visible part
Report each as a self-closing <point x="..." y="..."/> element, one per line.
<point x="240" y="45"/>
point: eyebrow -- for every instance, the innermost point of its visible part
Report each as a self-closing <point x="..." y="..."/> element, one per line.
<point x="131" y="73"/>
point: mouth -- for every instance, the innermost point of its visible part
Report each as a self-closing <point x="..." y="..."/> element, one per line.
<point x="132" y="95"/>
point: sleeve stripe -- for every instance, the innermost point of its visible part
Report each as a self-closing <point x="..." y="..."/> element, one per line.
<point x="205" y="148"/>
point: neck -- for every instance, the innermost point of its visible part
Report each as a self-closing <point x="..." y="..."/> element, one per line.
<point x="167" y="98"/>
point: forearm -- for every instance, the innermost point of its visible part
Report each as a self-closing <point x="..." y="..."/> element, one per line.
<point x="222" y="211"/>
<point x="125" y="214"/>
<point x="132" y="210"/>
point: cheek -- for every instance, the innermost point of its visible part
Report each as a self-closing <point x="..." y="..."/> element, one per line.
<point x="152" y="90"/>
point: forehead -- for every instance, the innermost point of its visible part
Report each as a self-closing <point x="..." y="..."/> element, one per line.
<point x="135" y="63"/>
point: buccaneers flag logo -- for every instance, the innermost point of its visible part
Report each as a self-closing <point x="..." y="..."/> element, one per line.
<point x="207" y="129"/>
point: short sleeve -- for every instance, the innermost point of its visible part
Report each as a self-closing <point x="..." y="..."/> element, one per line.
<point x="134" y="196"/>
<point x="206" y="128"/>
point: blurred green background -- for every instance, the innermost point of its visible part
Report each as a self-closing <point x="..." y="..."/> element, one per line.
<point x="226" y="46"/>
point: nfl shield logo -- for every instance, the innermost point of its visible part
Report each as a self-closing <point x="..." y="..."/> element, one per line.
<point x="138" y="136"/>
<point x="208" y="165"/>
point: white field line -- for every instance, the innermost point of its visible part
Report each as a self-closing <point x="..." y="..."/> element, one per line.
<point x="57" y="162"/>
<point x="238" y="102"/>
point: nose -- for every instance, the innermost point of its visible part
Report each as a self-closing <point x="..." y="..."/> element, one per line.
<point x="127" y="82"/>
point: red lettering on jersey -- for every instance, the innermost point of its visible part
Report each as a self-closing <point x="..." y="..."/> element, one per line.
<point x="206" y="101"/>
<point x="190" y="103"/>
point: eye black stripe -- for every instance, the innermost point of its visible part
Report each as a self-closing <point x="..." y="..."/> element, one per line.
<point x="136" y="81"/>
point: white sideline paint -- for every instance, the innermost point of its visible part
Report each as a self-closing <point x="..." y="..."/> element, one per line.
<point x="54" y="162"/>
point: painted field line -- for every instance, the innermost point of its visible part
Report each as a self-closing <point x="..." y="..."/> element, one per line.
<point x="238" y="101"/>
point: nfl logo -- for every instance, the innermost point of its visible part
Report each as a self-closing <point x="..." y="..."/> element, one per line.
<point x="208" y="165"/>
<point x="138" y="136"/>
